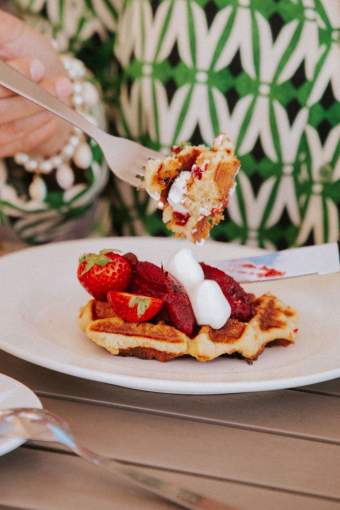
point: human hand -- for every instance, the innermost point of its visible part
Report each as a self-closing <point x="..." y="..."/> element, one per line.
<point x="24" y="126"/>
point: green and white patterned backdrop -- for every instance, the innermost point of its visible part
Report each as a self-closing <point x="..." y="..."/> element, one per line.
<point x="266" y="72"/>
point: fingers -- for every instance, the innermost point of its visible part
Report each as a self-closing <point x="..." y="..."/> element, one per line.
<point x="55" y="143"/>
<point x="32" y="141"/>
<point x="33" y="69"/>
<point x="14" y="108"/>
<point x="14" y="131"/>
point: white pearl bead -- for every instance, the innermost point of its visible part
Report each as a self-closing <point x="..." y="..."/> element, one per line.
<point x="77" y="100"/>
<point x="46" y="166"/>
<point x="90" y="94"/>
<point x="68" y="150"/>
<point x="56" y="161"/>
<point x="74" y="140"/>
<point x="77" y="87"/>
<point x="31" y="165"/>
<point x="65" y="176"/>
<point x="21" y="158"/>
<point x="67" y="63"/>
<point x="83" y="156"/>
<point x="77" y="69"/>
<point x="37" y="189"/>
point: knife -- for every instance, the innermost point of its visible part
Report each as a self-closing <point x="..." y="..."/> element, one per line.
<point x="308" y="260"/>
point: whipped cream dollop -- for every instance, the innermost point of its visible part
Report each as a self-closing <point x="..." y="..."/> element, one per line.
<point x="210" y="306"/>
<point x="185" y="268"/>
<point x="177" y="192"/>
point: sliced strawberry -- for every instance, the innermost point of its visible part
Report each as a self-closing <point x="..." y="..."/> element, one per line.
<point x="99" y="273"/>
<point x="240" y="301"/>
<point x="131" y="258"/>
<point x="149" y="279"/>
<point x="134" y="308"/>
<point x="178" y="306"/>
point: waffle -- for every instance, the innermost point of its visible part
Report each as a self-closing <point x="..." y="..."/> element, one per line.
<point x="273" y="322"/>
<point x="210" y="175"/>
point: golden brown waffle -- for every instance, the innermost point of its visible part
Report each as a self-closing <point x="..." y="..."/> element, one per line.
<point x="273" y="322"/>
<point x="213" y="171"/>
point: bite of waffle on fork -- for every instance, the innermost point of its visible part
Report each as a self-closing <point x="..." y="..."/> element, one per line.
<point x="193" y="186"/>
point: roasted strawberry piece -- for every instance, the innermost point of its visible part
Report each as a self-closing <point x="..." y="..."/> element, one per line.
<point x="131" y="258"/>
<point x="133" y="308"/>
<point x="100" y="272"/>
<point x="178" y="306"/>
<point x="148" y="279"/>
<point x="240" y="301"/>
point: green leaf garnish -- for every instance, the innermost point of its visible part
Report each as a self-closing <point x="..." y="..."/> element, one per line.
<point x="93" y="259"/>
<point x="142" y="304"/>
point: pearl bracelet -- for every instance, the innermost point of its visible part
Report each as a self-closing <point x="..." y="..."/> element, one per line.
<point x="76" y="149"/>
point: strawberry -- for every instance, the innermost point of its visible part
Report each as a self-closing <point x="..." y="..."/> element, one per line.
<point x="99" y="273"/>
<point x="240" y="301"/>
<point x="178" y="306"/>
<point x="149" y="279"/>
<point x="134" y="308"/>
<point x="131" y="258"/>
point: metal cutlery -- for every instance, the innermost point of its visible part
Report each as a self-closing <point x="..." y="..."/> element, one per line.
<point x="125" y="158"/>
<point x="38" y="424"/>
<point x="278" y="265"/>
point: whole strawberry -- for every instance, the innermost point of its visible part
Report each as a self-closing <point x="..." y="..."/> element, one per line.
<point x="100" y="272"/>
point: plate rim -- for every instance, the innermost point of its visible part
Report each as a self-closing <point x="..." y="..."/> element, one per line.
<point x="13" y="444"/>
<point x="182" y="387"/>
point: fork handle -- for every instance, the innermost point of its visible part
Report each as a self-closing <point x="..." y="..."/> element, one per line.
<point x="16" y="82"/>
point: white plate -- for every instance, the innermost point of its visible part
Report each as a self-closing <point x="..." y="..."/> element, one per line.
<point x="39" y="306"/>
<point x="14" y="394"/>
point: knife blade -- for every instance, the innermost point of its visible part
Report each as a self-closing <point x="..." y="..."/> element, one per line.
<point x="290" y="263"/>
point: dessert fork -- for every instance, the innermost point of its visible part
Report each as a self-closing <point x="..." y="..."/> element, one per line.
<point x="38" y="424"/>
<point x="125" y="157"/>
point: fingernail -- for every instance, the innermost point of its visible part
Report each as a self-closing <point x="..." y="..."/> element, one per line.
<point x="63" y="88"/>
<point x="37" y="70"/>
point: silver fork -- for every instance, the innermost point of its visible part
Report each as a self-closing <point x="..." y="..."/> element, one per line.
<point x="38" y="424"/>
<point x="125" y="158"/>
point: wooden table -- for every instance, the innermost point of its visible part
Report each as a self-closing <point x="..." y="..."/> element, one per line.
<point x="273" y="450"/>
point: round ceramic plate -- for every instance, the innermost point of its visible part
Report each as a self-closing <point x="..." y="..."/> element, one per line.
<point x="42" y="296"/>
<point x="14" y="394"/>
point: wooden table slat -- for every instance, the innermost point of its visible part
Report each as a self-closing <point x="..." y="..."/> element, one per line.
<point x="205" y="449"/>
<point x="67" y="482"/>
<point x="331" y="388"/>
